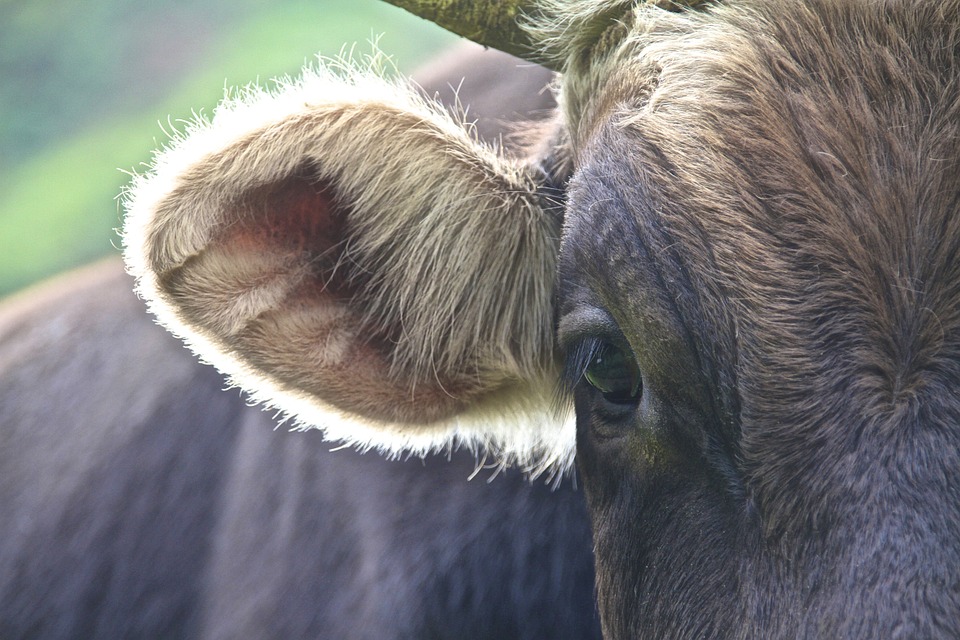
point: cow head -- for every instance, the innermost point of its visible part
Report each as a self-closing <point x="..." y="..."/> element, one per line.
<point x="737" y="251"/>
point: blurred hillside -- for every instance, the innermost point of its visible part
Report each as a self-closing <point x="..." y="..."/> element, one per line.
<point x="87" y="88"/>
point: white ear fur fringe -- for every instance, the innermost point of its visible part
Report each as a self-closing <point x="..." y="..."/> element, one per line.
<point x="518" y="426"/>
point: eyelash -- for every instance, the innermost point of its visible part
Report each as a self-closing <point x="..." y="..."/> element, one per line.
<point x="577" y="362"/>
<point x="608" y="370"/>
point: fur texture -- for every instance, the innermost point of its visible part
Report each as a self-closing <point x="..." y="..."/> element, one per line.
<point x="778" y="184"/>
<point x="342" y="223"/>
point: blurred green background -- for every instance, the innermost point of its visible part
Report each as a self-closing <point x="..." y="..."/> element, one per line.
<point x="87" y="86"/>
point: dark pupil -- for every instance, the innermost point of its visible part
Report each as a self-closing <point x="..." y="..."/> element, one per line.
<point x="614" y="374"/>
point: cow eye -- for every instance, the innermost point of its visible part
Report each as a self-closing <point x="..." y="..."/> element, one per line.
<point x="613" y="373"/>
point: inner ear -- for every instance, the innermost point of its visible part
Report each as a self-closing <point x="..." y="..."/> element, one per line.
<point x="275" y="241"/>
<point x="278" y="284"/>
<point x="302" y="219"/>
<point x="300" y="213"/>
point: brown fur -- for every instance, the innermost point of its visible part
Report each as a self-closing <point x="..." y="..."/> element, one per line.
<point x="796" y="164"/>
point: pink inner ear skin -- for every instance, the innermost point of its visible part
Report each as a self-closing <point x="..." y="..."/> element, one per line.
<point x="297" y="302"/>
<point x="297" y="215"/>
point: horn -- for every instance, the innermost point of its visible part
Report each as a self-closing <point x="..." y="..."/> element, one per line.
<point x="492" y="23"/>
<point x="497" y="23"/>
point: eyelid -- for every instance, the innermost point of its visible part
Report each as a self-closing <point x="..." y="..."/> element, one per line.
<point x="585" y="323"/>
<point x="581" y="334"/>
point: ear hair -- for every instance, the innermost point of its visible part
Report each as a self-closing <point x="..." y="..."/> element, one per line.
<point x="435" y="254"/>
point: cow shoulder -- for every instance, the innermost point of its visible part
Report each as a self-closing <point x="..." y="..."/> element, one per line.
<point x="111" y="453"/>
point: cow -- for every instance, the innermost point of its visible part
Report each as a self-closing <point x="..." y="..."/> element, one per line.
<point x="141" y="500"/>
<point x="734" y="251"/>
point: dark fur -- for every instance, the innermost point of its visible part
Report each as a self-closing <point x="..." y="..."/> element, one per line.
<point x="781" y="255"/>
<point x="139" y="500"/>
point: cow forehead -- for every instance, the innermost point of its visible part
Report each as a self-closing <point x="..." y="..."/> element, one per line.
<point x="615" y="49"/>
<point x="624" y="50"/>
<point x="803" y="159"/>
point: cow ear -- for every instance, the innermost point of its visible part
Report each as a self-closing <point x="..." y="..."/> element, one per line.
<point x="350" y="254"/>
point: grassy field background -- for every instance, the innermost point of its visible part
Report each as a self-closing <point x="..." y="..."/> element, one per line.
<point x="88" y="87"/>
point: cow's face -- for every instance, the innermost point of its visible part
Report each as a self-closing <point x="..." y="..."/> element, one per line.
<point x="758" y="302"/>
<point x="755" y="293"/>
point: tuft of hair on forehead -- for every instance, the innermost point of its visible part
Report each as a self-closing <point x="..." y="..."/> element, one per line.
<point x="565" y="30"/>
<point x="595" y="44"/>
